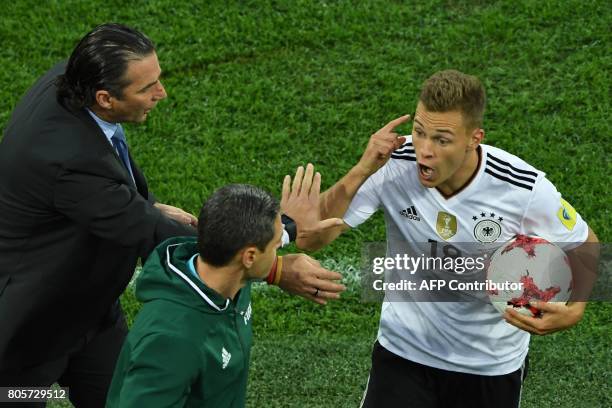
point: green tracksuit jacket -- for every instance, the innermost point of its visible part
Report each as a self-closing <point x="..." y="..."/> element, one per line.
<point x="188" y="347"/>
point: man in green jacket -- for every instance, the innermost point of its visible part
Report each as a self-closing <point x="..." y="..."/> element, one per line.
<point x="190" y="344"/>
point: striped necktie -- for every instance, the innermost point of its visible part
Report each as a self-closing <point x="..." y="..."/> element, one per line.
<point x="120" y="145"/>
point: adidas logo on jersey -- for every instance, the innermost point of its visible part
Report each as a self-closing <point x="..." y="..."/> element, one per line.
<point x="225" y="356"/>
<point x="410" y="213"/>
<point x="246" y="315"/>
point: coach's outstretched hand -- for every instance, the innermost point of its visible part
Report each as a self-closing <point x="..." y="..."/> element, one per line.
<point x="300" y="201"/>
<point x="304" y="276"/>
<point x="177" y="214"/>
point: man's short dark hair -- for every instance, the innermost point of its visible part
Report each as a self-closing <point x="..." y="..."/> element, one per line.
<point x="235" y="216"/>
<point x="99" y="62"/>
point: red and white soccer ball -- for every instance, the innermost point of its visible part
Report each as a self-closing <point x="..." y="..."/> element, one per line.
<point x="542" y="269"/>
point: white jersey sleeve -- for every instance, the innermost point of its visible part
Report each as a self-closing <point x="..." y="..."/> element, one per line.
<point x="367" y="200"/>
<point x="549" y="216"/>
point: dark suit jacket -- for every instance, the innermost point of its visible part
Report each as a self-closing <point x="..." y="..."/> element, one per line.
<point x="72" y="227"/>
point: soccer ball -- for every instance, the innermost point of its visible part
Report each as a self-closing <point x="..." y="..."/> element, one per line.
<point x="528" y="268"/>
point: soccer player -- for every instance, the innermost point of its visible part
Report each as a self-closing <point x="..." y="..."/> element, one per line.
<point x="191" y="341"/>
<point x="443" y="188"/>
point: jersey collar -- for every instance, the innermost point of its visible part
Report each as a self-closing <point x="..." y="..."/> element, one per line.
<point x="469" y="184"/>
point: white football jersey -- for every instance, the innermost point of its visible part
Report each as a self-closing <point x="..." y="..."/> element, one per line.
<point x="505" y="197"/>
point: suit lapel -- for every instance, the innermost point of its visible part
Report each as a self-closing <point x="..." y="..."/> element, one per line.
<point x="141" y="182"/>
<point x="103" y="143"/>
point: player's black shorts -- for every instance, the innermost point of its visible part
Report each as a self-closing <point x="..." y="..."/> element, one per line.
<point x="399" y="383"/>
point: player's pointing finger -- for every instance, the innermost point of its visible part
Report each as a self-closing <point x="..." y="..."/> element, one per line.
<point x="395" y="123"/>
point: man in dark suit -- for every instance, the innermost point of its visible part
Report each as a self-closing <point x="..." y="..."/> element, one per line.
<point x="76" y="215"/>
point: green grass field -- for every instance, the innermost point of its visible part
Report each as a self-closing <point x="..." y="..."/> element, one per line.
<point x="257" y="88"/>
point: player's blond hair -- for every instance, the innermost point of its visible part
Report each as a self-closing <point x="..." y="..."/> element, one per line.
<point x="452" y="90"/>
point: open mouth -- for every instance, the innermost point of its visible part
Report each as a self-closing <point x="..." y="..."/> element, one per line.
<point x="426" y="172"/>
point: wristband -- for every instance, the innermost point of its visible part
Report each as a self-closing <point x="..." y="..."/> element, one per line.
<point x="290" y="227"/>
<point x="272" y="275"/>
<point x="279" y="270"/>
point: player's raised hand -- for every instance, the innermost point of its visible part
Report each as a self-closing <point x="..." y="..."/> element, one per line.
<point x="381" y="145"/>
<point x="555" y="317"/>
<point x="300" y="201"/>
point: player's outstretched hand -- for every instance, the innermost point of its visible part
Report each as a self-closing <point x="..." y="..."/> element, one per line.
<point x="555" y="317"/>
<point x="381" y="145"/>
<point x="304" y="276"/>
<point x="300" y="201"/>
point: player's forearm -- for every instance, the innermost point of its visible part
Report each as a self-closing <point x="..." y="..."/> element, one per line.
<point x="584" y="260"/>
<point x="576" y="310"/>
<point x="313" y="241"/>
<point x="335" y="201"/>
